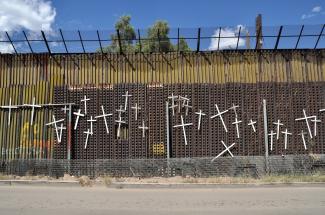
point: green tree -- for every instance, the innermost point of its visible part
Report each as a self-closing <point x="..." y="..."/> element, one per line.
<point x="183" y="46"/>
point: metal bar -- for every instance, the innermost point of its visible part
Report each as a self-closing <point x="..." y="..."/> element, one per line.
<point x="198" y="40"/>
<point x="158" y="35"/>
<point x="302" y="28"/>
<point x="99" y="41"/>
<point x="278" y="38"/>
<point x="29" y="45"/>
<point x="119" y="40"/>
<point x="266" y="144"/>
<point x="177" y="39"/>
<point x="319" y="36"/>
<point x="258" y="37"/>
<point x="219" y="38"/>
<point x="139" y="39"/>
<point x="81" y="41"/>
<point x="69" y="127"/>
<point x="167" y="136"/>
<point x="46" y="43"/>
<point x="65" y="45"/>
<point x="238" y="37"/>
<point x="12" y="44"/>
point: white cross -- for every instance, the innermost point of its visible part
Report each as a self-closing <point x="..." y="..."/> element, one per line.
<point x="91" y="120"/>
<point x="87" y="137"/>
<point x="9" y="107"/>
<point x="234" y="107"/>
<point x="306" y="119"/>
<point x="187" y="106"/>
<point x="237" y="127"/>
<point x="144" y="128"/>
<point x="200" y="113"/>
<point x="126" y="95"/>
<point x="278" y="124"/>
<point x="315" y="121"/>
<point x="227" y="149"/>
<point x="321" y="110"/>
<point x="303" y="139"/>
<point x="184" y="99"/>
<point x="286" y="133"/>
<point x="54" y="122"/>
<point x="65" y="109"/>
<point x="119" y="121"/>
<point x="78" y="114"/>
<point x="183" y="126"/>
<point x="61" y="128"/>
<point x="172" y="97"/>
<point x="271" y="135"/>
<point x="33" y="106"/>
<point x="219" y="114"/>
<point x="120" y="111"/>
<point x="85" y="103"/>
<point x="104" y="115"/>
<point x="252" y="123"/>
<point x="136" y="109"/>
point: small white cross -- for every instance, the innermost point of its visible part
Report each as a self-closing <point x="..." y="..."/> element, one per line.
<point x="183" y="126"/>
<point x="87" y="137"/>
<point x="172" y="97"/>
<point x="307" y="122"/>
<point x="120" y="111"/>
<point x="61" y="128"/>
<point x="85" y="103"/>
<point x="200" y="113"/>
<point x="119" y="121"/>
<point x="271" y="135"/>
<point x="144" y="128"/>
<point x="104" y="115"/>
<point x="286" y="133"/>
<point x="54" y="122"/>
<point x="184" y="99"/>
<point x="234" y="107"/>
<point x="91" y="120"/>
<point x="9" y="107"/>
<point x="187" y="106"/>
<point x="136" y="108"/>
<point x="303" y="139"/>
<point x="219" y="114"/>
<point x="252" y="123"/>
<point x="278" y="124"/>
<point x="315" y="121"/>
<point x="227" y="149"/>
<point x="33" y="106"/>
<point x="78" y="114"/>
<point x="65" y="109"/>
<point x="237" y="127"/>
<point x="126" y="95"/>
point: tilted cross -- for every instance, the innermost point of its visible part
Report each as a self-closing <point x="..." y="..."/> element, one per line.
<point x="200" y="113"/>
<point x="78" y="114"/>
<point x="104" y="115"/>
<point x="136" y="108"/>
<point x="87" y="137"/>
<point x="183" y="126"/>
<point x="119" y="121"/>
<point x="84" y="100"/>
<point x="61" y="128"/>
<point x="234" y="107"/>
<point x="91" y="120"/>
<point x="252" y="123"/>
<point x="33" y="106"/>
<point x="219" y="114"/>
<point x="54" y="122"/>
<point x="144" y="128"/>
<point x="126" y="95"/>
<point x="120" y="111"/>
<point x="302" y="134"/>
<point x="286" y="133"/>
<point x="237" y="127"/>
<point x="9" y="107"/>
<point x="227" y="149"/>
<point x="278" y="124"/>
<point x="307" y="122"/>
<point x="271" y="135"/>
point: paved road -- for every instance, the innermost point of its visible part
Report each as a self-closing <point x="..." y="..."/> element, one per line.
<point x="37" y="200"/>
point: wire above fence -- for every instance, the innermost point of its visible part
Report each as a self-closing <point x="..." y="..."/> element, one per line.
<point x="172" y="40"/>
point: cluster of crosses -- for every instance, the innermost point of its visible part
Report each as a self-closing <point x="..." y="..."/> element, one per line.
<point x="177" y="103"/>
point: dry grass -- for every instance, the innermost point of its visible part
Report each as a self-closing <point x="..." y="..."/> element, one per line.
<point x="85" y="181"/>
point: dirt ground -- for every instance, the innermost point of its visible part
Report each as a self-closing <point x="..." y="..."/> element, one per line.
<point x="35" y="200"/>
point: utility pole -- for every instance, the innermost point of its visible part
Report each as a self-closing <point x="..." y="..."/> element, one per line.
<point x="259" y="33"/>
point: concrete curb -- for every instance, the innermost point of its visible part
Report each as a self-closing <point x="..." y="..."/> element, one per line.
<point x="39" y="183"/>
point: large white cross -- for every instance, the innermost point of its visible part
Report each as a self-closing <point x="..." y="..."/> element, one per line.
<point x="54" y="122"/>
<point x="234" y="107"/>
<point x="173" y="105"/>
<point x="219" y="114"/>
<point x="126" y="95"/>
<point x="307" y="122"/>
<point x="183" y="126"/>
<point x="9" y="107"/>
<point x="252" y="123"/>
<point x="315" y="121"/>
<point x="85" y="103"/>
<point x="120" y="111"/>
<point x="227" y="149"/>
<point x="33" y="106"/>
<point x="286" y="133"/>
<point x="200" y="113"/>
<point x="303" y="139"/>
<point x="104" y="115"/>
<point x="278" y="124"/>
<point x="78" y="114"/>
<point x="91" y="120"/>
<point x="144" y="128"/>
<point x="119" y="121"/>
<point x="271" y="135"/>
<point x="87" y="137"/>
<point x="136" y="108"/>
<point x="237" y="127"/>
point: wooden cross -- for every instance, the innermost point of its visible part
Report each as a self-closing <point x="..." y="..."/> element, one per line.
<point x="9" y="107"/>
<point x="104" y="115"/>
<point x="303" y="139"/>
<point x="252" y="123"/>
<point x="187" y="106"/>
<point x="126" y="95"/>
<point x="183" y="126"/>
<point x="119" y="121"/>
<point x="200" y="113"/>
<point x="87" y="137"/>
<point x="227" y="149"/>
<point x="78" y="114"/>
<point x="278" y="124"/>
<point x="85" y="103"/>
<point x="286" y="133"/>
<point x="136" y="108"/>
<point x="61" y="128"/>
<point x="54" y="122"/>
<point x="173" y="105"/>
<point x="234" y="107"/>
<point x="219" y="114"/>
<point x="237" y="127"/>
<point x="91" y="120"/>
<point x="271" y="135"/>
<point x="144" y="128"/>
<point x="120" y="111"/>
<point x="33" y="106"/>
<point x="307" y="122"/>
<point x="315" y="121"/>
